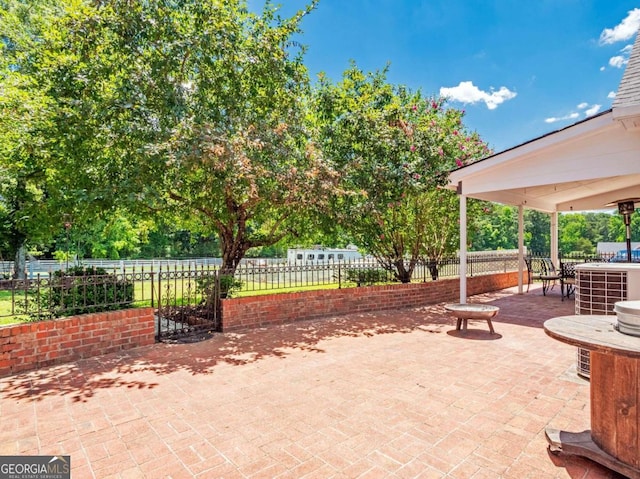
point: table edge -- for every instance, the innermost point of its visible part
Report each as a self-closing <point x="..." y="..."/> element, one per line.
<point x="607" y="348"/>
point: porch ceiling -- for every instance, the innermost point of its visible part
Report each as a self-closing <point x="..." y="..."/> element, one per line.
<point x="568" y="196"/>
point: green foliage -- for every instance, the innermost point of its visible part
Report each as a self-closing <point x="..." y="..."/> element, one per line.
<point x="63" y="256"/>
<point x="227" y="283"/>
<point x="498" y="230"/>
<point x="577" y="232"/>
<point x="29" y="190"/>
<point x="537" y="231"/>
<point x="169" y="241"/>
<point x="367" y="276"/>
<point x="193" y="110"/>
<point x="79" y="291"/>
<point x="394" y="148"/>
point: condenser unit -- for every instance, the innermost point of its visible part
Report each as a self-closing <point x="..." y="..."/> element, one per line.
<point x="599" y="286"/>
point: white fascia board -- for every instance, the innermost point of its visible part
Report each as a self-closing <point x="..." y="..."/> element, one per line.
<point x="627" y="114"/>
<point x="613" y="151"/>
<point x="582" y="129"/>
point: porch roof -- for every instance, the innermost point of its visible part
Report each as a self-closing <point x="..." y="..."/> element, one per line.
<point x="584" y="166"/>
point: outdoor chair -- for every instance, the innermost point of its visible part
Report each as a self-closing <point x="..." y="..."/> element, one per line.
<point x="567" y="279"/>
<point x="549" y="275"/>
<point x="541" y="269"/>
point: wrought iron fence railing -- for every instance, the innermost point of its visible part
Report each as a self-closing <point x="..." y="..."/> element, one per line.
<point x="188" y="293"/>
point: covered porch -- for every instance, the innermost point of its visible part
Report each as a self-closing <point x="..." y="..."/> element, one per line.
<point x="590" y="165"/>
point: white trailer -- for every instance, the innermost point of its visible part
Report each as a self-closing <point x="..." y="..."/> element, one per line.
<point x="322" y="255"/>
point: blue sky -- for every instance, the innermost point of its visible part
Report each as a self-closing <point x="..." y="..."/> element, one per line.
<point x="519" y="69"/>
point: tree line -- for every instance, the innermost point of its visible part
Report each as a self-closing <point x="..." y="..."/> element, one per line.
<point x="578" y="233"/>
<point x="162" y="128"/>
<point x="497" y="229"/>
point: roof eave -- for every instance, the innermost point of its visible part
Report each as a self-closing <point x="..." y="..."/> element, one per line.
<point x="629" y="116"/>
<point x="584" y="127"/>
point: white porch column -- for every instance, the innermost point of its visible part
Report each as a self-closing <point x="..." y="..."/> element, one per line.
<point x="520" y="247"/>
<point x="554" y="239"/>
<point x="463" y="247"/>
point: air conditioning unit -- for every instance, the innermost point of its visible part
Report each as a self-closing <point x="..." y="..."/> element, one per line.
<point x="599" y="286"/>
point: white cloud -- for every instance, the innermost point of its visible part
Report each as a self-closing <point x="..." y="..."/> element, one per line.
<point x="583" y="105"/>
<point x="624" y="30"/>
<point x="618" y="61"/>
<point x="570" y="116"/>
<point x="467" y="92"/>
<point x="593" y="110"/>
<point x="602" y="69"/>
<point x="611" y="95"/>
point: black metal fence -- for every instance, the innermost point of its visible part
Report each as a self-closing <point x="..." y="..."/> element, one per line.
<point x="186" y="297"/>
<point x="588" y="258"/>
<point x="257" y="279"/>
<point x="185" y="300"/>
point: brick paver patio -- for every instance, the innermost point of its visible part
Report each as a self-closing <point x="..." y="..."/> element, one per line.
<point x="395" y="394"/>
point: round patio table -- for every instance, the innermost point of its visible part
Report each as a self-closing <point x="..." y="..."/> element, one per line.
<point x="613" y="439"/>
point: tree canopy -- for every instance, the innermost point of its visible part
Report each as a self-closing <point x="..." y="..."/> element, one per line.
<point x="394" y="148"/>
<point x="191" y="110"/>
<point x="166" y="127"/>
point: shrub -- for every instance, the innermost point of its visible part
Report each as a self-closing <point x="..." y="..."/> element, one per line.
<point x="79" y="291"/>
<point x="367" y="276"/>
<point x="229" y="285"/>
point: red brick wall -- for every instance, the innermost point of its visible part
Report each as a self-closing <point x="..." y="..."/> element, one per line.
<point x="248" y="312"/>
<point x="45" y="343"/>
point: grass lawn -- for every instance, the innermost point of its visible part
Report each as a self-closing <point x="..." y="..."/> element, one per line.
<point x="7" y="314"/>
<point x="179" y="294"/>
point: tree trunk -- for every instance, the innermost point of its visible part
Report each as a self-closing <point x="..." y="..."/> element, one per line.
<point x="404" y="274"/>
<point x="233" y="250"/>
<point x="433" y="268"/>
<point x="20" y="262"/>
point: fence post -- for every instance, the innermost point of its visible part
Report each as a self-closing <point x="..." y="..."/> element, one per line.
<point x="153" y="295"/>
<point x="217" y="303"/>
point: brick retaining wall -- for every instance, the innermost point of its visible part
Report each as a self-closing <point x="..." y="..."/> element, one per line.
<point x="24" y="347"/>
<point x="34" y="345"/>
<point x="248" y="312"/>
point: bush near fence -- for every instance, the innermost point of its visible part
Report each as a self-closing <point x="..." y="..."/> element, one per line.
<point x="79" y="291"/>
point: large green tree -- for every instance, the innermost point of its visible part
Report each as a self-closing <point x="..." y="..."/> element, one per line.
<point x="30" y="192"/>
<point x="194" y="111"/>
<point x="394" y="147"/>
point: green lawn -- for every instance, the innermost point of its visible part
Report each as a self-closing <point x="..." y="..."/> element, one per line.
<point x="7" y="314"/>
<point x="179" y="295"/>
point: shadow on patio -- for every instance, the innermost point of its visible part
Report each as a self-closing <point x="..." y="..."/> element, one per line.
<point x="82" y="378"/>
<point x="390" y="394"/>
